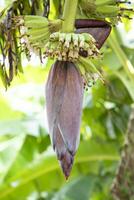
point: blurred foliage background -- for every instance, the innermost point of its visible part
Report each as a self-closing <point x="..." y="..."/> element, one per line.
<point x="28" y="166"/>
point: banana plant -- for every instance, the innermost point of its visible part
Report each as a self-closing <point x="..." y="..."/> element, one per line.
<point x="72" y="41"/>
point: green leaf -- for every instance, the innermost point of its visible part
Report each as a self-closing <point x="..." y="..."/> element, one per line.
<point x="45" y="167"/>
<point x="80" y="188"/>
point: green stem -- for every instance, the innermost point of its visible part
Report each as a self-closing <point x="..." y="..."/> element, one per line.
<point x="127" y="65"/>
<point x="69" y="14"/>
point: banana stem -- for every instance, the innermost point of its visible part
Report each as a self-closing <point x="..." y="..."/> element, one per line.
<point x="69" y="14"/>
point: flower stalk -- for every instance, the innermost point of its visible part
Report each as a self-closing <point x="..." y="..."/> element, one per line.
<point x="69" y="15"/>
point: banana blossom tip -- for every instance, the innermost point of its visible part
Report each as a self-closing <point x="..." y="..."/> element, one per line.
<point x="64" y="97"/>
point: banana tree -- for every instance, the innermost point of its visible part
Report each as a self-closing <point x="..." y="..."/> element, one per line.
<point x="71" y="34"/>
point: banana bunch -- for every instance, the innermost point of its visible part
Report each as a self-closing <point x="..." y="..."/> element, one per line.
<point x="78" y="48"/>
<point x="36" y="30"/>
<point x="112" y="9"/>
<point x="69" y="46"/>
<point x="40" y="33"/>
<point x="81" y="48"/>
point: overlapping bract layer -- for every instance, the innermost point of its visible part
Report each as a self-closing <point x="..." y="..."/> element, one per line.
<point x="64" y="95"/>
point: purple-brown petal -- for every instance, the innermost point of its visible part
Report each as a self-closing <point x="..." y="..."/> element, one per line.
<point x="54" y="95"/>
<point x="70" y="113"/>
<point x="99" y="29"/>
<point x="64" y="95"/>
